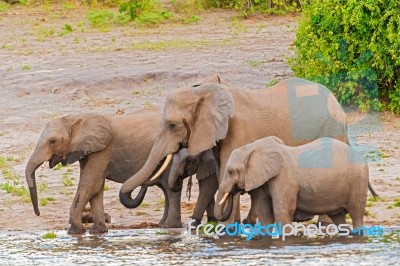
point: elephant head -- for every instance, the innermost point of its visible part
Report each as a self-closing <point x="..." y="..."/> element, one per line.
<point x="248" y="168"/>
<point x="184" y="165"/>
<point x="194" y="118"/>
<point x="67" y="140"/>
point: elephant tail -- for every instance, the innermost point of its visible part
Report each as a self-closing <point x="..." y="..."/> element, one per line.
<point x="373" y="192"/>
<point x="189" y="188"/>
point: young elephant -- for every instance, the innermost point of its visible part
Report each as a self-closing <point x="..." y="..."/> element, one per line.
<point x="107" y="147"/>
<point x="325" y="176"/>
<point x="205" y="167"/>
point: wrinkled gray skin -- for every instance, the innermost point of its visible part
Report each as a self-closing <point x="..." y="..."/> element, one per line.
<point x="107" y="147"/>
<point x="205" y="166"/>
<point x="325" y="176"/>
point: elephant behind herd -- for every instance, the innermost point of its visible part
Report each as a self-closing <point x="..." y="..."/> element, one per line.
<point x="199" y="128"/>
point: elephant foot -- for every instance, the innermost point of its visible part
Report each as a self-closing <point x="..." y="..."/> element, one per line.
<point x="98" y="229"/>
<point x="196" y="222"/>
<point x="325" y="220"/>
<point x="171" y="225"/>
<point x="248" y="220"/>
<point x="211" y="219"/>
<point x="87" y="218"/>
<point x="302" y="216"/>
<point x="76" y="230"/>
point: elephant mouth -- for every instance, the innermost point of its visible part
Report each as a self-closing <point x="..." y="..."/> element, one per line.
<point x="55" y="159"/>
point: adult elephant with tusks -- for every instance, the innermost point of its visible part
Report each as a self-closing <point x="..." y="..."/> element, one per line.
<point x="200" y="117"/>
<point x="107" y="147"/>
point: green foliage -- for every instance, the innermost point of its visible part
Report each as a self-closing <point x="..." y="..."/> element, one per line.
<point x="397" y="202"/>
<point x="4" y="6"/>
<point x="45" y="201"/>
<point x="100" y="18"/>
<point x="192" y="19"/>
<point x="66" y="180"/>
<point x="49" y="235"/>
<point x="251" y="6"/>
<point x="145" y="11"/>
<point x="213" y="228"/>
<point x="65" y="29"/>
<point x="352" y="47"/>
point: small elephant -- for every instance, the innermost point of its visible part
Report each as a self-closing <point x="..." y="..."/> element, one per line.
<point x="325" y="176"/>
<point x="205" y="166"/>
<point x="107" y="147"/>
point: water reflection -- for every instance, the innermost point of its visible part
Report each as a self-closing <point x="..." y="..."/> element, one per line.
<point x="152" y="246"/>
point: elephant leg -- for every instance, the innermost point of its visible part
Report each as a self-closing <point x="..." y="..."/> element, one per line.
<point x="324" y="220"/>
<point x="89" y="185"/>
<point x="252" y="215"/>
<point x="205" y="201"/>
<point x="82" y="197"/>
<point x="338" y="218"/>
<point x="263" y="206"/>
<point x="172" y="208"/>
<point x="96" y="202"/>
<point x="166" y="206"/>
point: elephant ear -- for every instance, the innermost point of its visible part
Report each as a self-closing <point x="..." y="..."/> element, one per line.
<point x="210" y="79"/>
<point x="213" y="109"/>
<point x="208" y="165"/>
<point x="88" y="133"/>
<point x="261" y="167"/>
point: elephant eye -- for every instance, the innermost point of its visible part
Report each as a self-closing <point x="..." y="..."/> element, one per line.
<point x="172" y="126"/>
<point x="53" y="141"/>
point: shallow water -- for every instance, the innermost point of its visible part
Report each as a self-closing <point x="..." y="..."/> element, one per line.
<point x="152" y="246"/>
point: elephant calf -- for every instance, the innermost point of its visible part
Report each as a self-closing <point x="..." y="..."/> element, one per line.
<point x="107" y="147"/>
<point x="325" y="176"/>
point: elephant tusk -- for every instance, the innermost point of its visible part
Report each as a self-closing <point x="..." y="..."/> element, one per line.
<point x="224" y="199"/>
<point x="163" y="167"/>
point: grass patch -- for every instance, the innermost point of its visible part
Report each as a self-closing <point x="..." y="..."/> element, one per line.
<point x="45" y="201"/>
<point x="106" y="187"/>
<point x="141" y="213"/>
<point x="255" y="63"/>
<point x="65" y="29"/>
<point x="49" y="235"/>
<point x="4" y="7"/>
<point x="66" y="180"/>
<point x="26" y="67"/>
<point x="169" y="44"/>
<point x="213" y="227"/>
<point x="100" y="18"/>
<point x="145" y="204"/>
<point x="162" y="232"/>
<point x="191" y="19"/>
<point x="397" y="202"/>
<point x="58" y="167"/>
<point x="272" y="83"/>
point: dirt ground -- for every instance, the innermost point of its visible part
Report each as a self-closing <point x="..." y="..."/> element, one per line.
<point x="44" y="76"/>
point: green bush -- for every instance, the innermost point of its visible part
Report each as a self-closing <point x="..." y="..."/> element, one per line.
<point x="352" y="47"/>
<point x="145" y="11"/>
<point x="100" y="18"/>
<point x="251" y="6"/>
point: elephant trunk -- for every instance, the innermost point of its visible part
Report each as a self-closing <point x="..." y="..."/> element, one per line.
<point x="30" y="169"/>
<point x="228" y="210"/>
<point x="130" y="203"/>
<point x="155" y="157"/>
<point x="176" y="168"/>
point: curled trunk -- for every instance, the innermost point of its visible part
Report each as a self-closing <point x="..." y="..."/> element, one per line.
<point x="228" y="210"/>
<point x="133" y="203"/>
